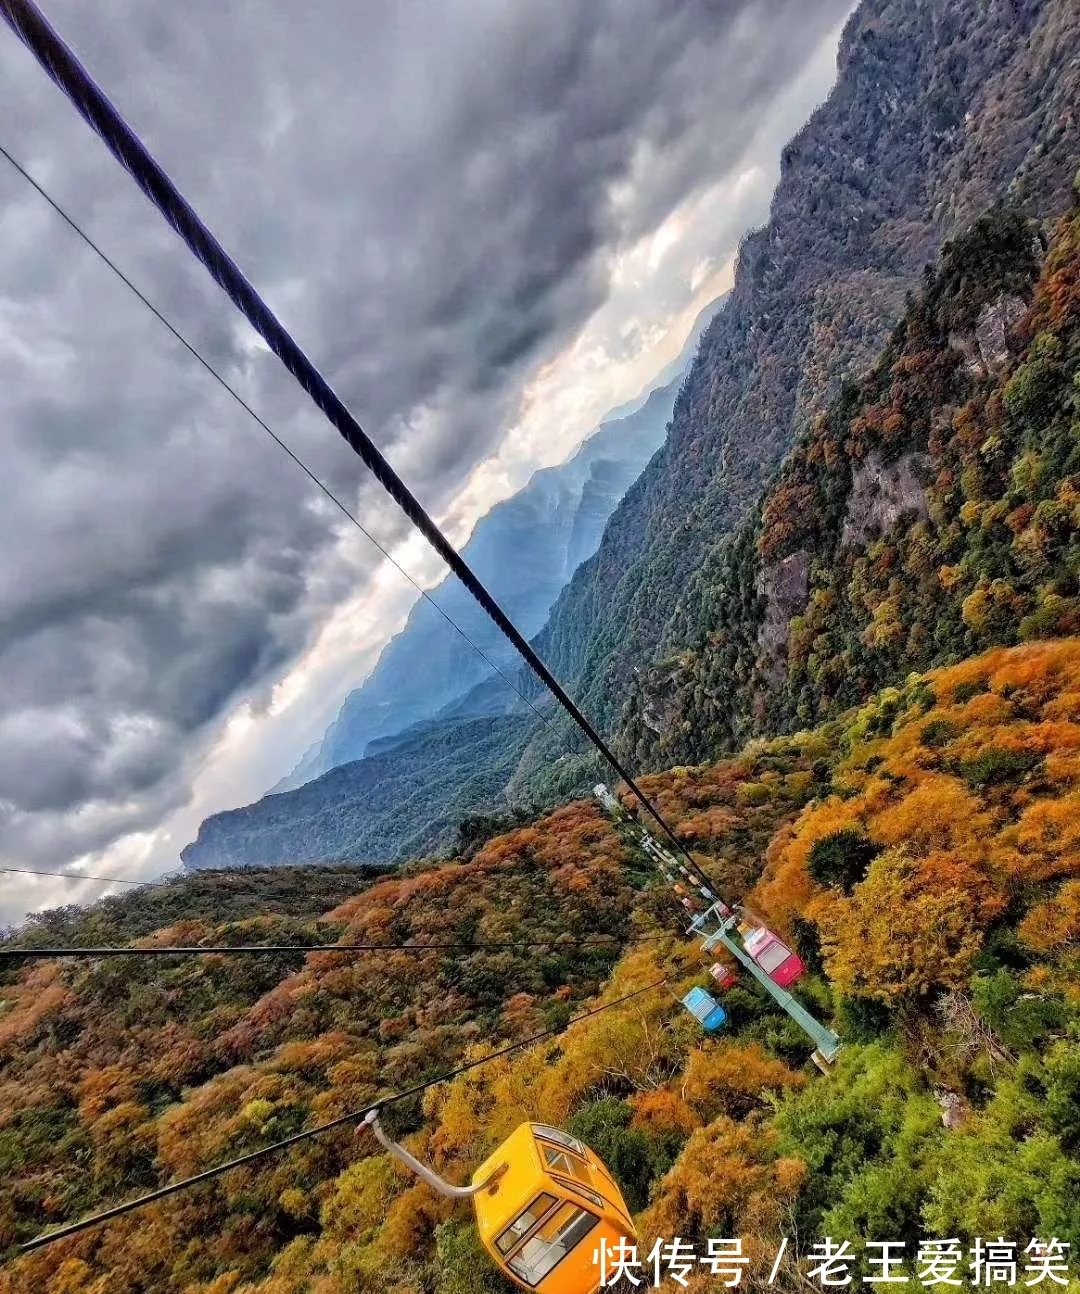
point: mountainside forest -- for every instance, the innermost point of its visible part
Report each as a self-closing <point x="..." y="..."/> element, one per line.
<point x="922" y="853"/>
<point x="929" y="512"/>
<point x="940" y="110"/>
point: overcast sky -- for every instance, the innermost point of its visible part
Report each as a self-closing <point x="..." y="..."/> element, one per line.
<point x="488" y="221"/>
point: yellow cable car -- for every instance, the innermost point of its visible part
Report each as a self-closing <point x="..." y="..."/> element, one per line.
<point x="543" y="1204"/>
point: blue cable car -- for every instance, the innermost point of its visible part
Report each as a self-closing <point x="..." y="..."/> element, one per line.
<point x="705" y="1009"/>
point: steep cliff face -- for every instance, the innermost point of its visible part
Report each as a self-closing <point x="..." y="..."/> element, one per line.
<point x="784" y="585"/>
<point x="884" y="494"/>
<point x="940" y="108"/>
<point x="931" y="512"/>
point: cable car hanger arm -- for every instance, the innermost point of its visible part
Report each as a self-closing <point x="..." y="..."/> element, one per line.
<point x="371" y="1120"/>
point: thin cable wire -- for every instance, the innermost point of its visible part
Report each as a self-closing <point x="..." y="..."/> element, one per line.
<point x="286" y="349"/>
<point x="98" y="251"/>
<point x="281" y="444"/>
<point x="63" y="67"/>
<point x="190" y="347"/>
<point x="74" y="876"/>
<point x="166" y="322"/>
<point x="602" y="941"/>
<point x="357" y="1116"/>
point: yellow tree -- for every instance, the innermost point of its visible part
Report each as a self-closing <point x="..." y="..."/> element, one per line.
<point x="727" y="1181"/>
<point x="912" y="925"/>
<point x="1053" y="926"/>
<point x="731" y="1079"/>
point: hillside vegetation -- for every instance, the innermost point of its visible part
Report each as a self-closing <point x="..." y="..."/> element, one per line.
<point x="393" y="804"/>
<point x="939" y="110"/>
<point x="931" y="511"/>
<point x="866" y="728"/>
<point x="923" y="854"/>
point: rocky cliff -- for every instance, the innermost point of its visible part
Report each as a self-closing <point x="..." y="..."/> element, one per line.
<point x="940" y="108"/>
<point x="929" y="513"/>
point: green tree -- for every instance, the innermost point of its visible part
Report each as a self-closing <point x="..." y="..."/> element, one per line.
<point x="604" y="1126"/>
<point x="841" y="859"/>
<point x="461" y="1264"/>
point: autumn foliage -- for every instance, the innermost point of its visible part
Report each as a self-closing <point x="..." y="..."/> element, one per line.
<point x="921" y="849"/>
<point x="971" y="799"/>
<point x="959" y="790"/>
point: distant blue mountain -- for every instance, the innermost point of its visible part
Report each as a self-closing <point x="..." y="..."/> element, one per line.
<point x="525" y="550"/>
<point x="401" y="802"/>
<point x="433" y="734"/>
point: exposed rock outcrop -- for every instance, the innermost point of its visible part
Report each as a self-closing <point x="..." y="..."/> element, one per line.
<point x="987" y="347"/>
<point x="660" y="692"/>
<point x="784" y="585"/>
<point x="882" y="495"/>
<point x="992" y="330"/>
<point x="954" y="1108"/>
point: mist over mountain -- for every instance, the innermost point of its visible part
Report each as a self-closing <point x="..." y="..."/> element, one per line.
<point x="939" y="112"/>
<point x="525" y="549"/>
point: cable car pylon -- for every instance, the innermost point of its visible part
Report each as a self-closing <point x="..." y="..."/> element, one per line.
<point x="827" y="1043"/>
<point x="717" y="926"/>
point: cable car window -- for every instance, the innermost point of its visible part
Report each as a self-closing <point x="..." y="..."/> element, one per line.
<point x="562" y="1231"/>
<point x="524" y="1222"/>
<point x="562" y="1161"/>
<point x="560" y="1138"/>
<point x="578" y="1189"/>
<point x="773" y="956"/>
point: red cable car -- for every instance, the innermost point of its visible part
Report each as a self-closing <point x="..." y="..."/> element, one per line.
<point x="723" y="975"/>
<point x="775" y="958"/>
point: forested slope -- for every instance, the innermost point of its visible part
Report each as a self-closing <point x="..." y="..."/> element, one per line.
<point x="923" y="854"/>
<point x="397" y="802"/>
<point x="931" y="511"/>
<point x="939" y="110"/>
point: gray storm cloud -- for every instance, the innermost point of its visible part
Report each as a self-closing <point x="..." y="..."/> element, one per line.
<point x="428" y="193"/>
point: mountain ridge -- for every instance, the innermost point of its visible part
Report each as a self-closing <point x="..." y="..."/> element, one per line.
<point x="895" y="161"/>
<point x="904" y="152"/>
<point x="552" y="524"/>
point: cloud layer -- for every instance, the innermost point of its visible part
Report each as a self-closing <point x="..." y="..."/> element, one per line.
<point x="437" y="196"/>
